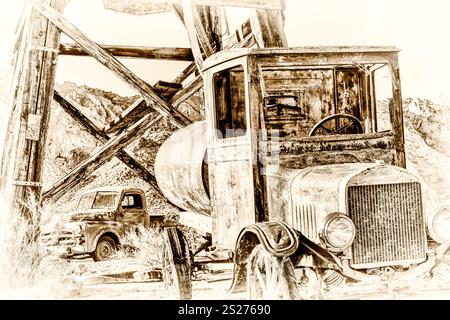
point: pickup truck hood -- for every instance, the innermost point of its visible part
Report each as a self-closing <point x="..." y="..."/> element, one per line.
<point x="89" y="215"/>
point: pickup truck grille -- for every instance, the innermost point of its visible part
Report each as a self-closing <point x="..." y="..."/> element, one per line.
<point x="66" y="237"/>
<point x="390" y="226"/>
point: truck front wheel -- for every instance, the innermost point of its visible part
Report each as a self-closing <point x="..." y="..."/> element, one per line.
<point x="105" y="248"/>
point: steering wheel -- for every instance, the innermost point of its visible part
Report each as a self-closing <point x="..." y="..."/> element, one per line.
<point x="340" y="123"/>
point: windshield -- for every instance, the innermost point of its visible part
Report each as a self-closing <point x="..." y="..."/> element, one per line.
<point x="98" y="200"/>
<point x="327" y="100"/>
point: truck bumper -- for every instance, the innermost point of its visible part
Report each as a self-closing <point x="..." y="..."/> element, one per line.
<point x="66" y="251"/>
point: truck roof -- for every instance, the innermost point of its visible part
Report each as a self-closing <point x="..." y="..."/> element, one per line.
<point x="114" y="189"/>
<point x="231" y="54"/>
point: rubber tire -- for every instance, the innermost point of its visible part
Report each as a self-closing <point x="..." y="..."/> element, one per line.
<point x="96" y="255"/>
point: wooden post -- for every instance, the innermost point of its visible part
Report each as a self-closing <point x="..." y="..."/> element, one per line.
<point x="26" y="138"/>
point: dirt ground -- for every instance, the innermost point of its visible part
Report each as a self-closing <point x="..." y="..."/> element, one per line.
<point x="85" y="280"/>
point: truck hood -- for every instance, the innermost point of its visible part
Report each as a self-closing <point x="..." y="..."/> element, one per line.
<point x="74" y="220"/>
<point x="315" y="192"/>
<point x="89" y="215"/>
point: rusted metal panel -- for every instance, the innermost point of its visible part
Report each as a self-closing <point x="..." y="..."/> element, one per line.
<point x="179" y="169"/>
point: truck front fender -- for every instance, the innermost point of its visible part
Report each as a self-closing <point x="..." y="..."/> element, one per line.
<point x="278" y="238"/>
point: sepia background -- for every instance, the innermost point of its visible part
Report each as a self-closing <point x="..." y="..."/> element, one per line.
<point x="418" y="28"/>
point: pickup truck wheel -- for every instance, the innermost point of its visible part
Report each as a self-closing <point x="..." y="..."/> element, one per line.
<point x="176" y="266"/>
<point x="104" y="249"/>
<point x="270" y="277"/>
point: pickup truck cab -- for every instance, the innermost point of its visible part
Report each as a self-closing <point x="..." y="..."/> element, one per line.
<point x="101" y="218"/>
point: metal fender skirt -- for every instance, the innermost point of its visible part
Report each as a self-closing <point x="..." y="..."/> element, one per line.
<point x="390" y="226"/>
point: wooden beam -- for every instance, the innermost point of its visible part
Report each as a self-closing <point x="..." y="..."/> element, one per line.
<point x="176" y="54"/>
<point x="101" y="136"/>
<point x="108" y="60"/>
<point x="210" y="19"/>
<point x="102" y="155"/>
<point x="268" y="28"/>
<point x="196" y="33"/>
<point x="185" y="93"/>
<point x="138" y="109"/>
<point x="190" y="69"/>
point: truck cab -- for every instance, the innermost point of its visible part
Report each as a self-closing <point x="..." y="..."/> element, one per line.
<point x="301" y="158"/>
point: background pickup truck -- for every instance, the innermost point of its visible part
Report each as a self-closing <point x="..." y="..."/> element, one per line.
<point x="99" y="222"/>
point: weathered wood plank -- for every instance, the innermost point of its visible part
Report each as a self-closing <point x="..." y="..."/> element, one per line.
<point x="137" y="109"/>
<point x="185" y="93"/>
<point x="155" y="53"/>
<point x="102" y="155"/>
<point x="14" y="104"/>
<point x="268" y="28"/>
<point x="112" y="63"/>
<point x="196" y="33"/>
<point x="167" y="89"/>
<point x="190" y="69"/>
<point x="210" y="19"/>
<point x="100" y="135"/>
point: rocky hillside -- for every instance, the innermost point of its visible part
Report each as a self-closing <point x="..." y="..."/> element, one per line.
<point x="427" y="146"/>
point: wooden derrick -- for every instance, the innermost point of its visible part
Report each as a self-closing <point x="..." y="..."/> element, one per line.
<point x="37" y="48"/>
<point x="25" y="144"/>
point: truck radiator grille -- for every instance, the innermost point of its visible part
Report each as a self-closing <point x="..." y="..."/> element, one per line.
<point x="303" y="218"/>
<point x="390" y="226"/>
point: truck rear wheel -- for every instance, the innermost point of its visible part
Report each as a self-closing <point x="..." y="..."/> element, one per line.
<point x="176" y="266"/>
<point x="106" y="246"/>
<point x="270" y="277"/>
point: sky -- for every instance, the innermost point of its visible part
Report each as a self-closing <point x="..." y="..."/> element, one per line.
<point x="418" y="28"/>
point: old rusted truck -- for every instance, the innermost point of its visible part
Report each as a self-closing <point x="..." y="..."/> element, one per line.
<point x="299" y="171"/>
<point x="101" y="219"/>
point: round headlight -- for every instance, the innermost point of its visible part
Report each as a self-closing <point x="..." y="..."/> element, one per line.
<point x="339" y="231"/>
<point x="439" y="225"/>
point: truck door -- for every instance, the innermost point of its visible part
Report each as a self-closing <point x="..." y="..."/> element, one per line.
<point x="230" y="152"/>
<point x="132" y="210"/>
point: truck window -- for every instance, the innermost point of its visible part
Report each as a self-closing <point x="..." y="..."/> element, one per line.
<point x="105" y="200"/>
<point x="295" y="99"/>
<point x="132" y="201"/>
<point x="383" y="96"/>
<point x="85" y="202"/>
<point x="229" y="90"/>
<point x="343" y="99"/>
